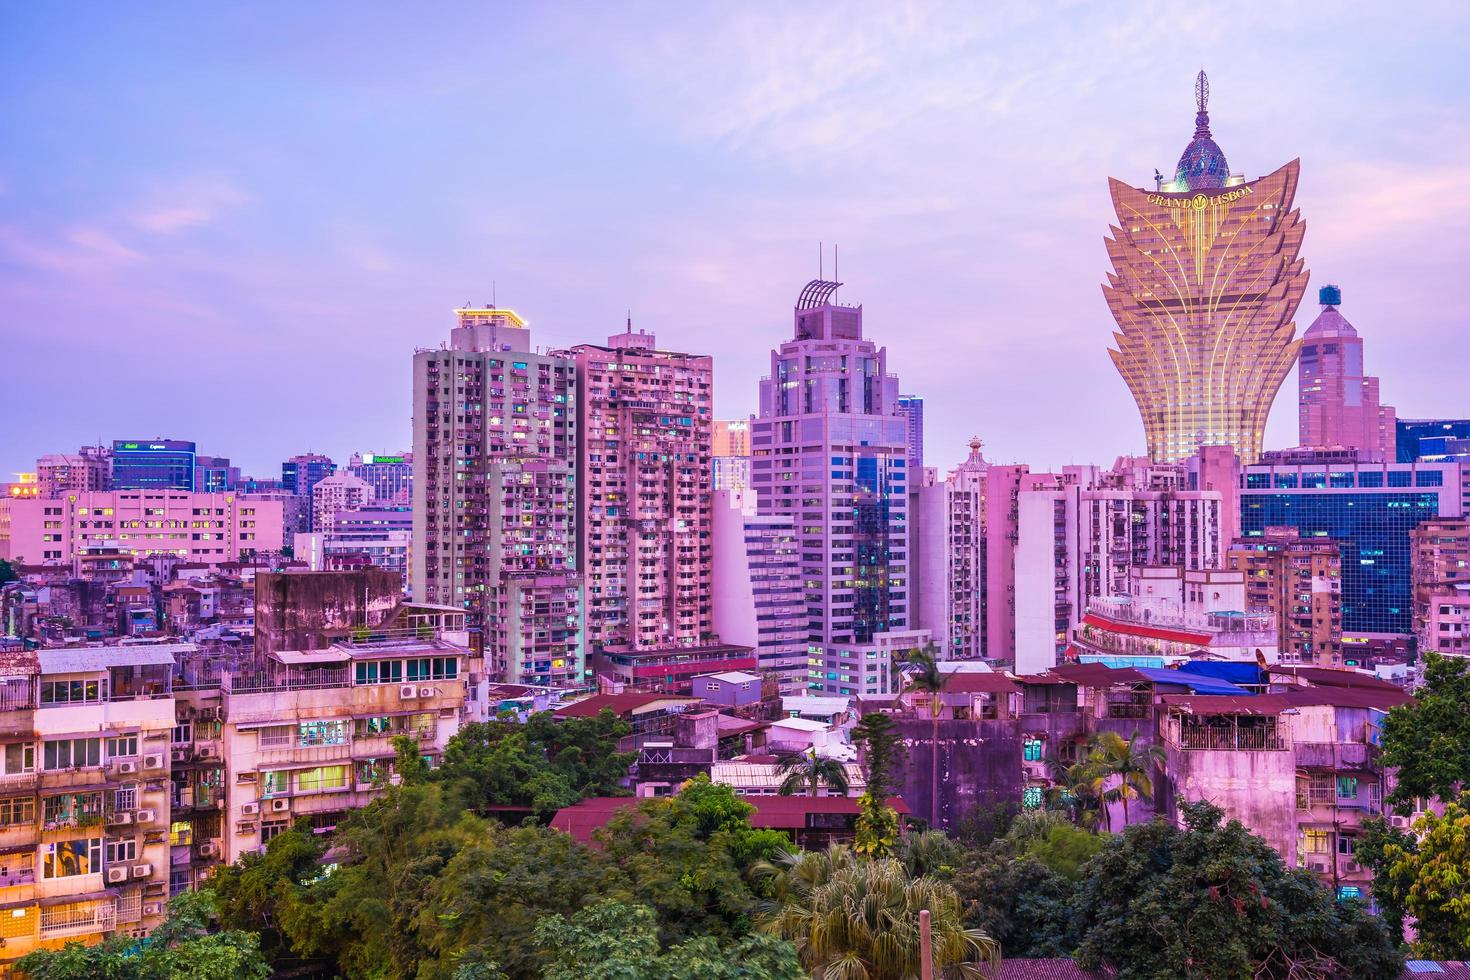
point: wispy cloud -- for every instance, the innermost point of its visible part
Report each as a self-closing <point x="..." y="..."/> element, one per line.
<point x="191" y="203"/>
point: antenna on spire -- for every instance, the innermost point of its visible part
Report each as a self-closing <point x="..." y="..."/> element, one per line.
<point x="1202" y="90"/>
<point x="820" y="272"/>
<point x="834" y="262"/>
<point x="492" y="295"/>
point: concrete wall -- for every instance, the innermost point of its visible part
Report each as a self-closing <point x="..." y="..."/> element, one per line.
<point x="1256" y="788"/>
<point x="979" y="767"/>
<point x="298" y="610"/>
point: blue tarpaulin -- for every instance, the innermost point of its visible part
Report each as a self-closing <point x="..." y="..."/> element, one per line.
<point x="1198" y="683"/>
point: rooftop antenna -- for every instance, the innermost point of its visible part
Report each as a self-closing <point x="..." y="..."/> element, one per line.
<point x="819" y="261"/>
<point x="835" y="276"/>
<point x="492" y="295"/>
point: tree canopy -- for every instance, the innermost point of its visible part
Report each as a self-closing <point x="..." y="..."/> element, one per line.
<point x="1428" y="739"/>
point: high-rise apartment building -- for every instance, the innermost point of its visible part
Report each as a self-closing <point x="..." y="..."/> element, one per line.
<point x="759" y="600"/>
<point x="391" y="477"/>
<point x="645" y="503"/>
<point x="730" y="449"/>
<point x="1369" y="509"/>
<point x="335" y="494"/>
<point x="1338" y="403"/>
<point x="948" y="557"/>
<point x="911" y="407"/>
<point x="1206" y="278"/>
<point x="87" y="470"/>
<point x="1299" y="580"/>
<point x="153" y="464"/>
<point x="1439" y="560"/>
<point x="494" y="484"/>
<point x="829" y="449"/>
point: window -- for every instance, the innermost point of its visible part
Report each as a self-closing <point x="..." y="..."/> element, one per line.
<point x="1031" y="798"/>
<point x="122" y="747"/>
<point x="1345" y="845"/>
<point x="433" y="668"/>
<point x="17" y="810"/>
<point x="1347" y="787"/>
<point x="20" y="757"/>
<point x="72" y="753"/>
<point x="275" y="736"/>
<point x="72" y="692"/>
<point x="1316" y="841"/>
<point x="379" y="672"/>
<point x="122" y="851"/>
<point x="68" y="858"/>
<point x="125" y="797"/>
<point x="70" y="808"/>
<point x="183" y="733"/>
<point x="270" y="828"/>
<point x="322" y="778"/>
<point x="1031" y="749"/>
<point x="373" y="770"/>
<point x="322" y="733"/>
<point x="276" y="784"/>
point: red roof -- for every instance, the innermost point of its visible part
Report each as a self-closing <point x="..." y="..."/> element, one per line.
<point x="1096" y="675"/>
<point x="1336" y="677"/>
<point x="978" y="682"/>
<point x="1153" y="632"/>
<point x="1347" y="697"/>
<point x="1228" y="704"/>
<point x="585" y="817"/>
<point x="619" y="704"/>
<point x="790" y="812"/>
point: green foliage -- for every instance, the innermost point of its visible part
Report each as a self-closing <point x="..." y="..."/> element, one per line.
<point x="929" y="852"/>
<point x="851" y="916"/>
<point x="7" y="572"/>
<point x="1430" y="878"/>
<point x="1065" y="849"/>
<point x="1428" y="740"/>
<point x="1371" y="850"/>
<point x="615" y="941"/>
<point x="253" y="893"/>
<point x="181" y="948"/>
<point x="1020" y="902"/>
<point x="883" y="752"/>
<point x="1216" y="901"/>
<point x="543" y="764"/>
<point x="876" y="827"/>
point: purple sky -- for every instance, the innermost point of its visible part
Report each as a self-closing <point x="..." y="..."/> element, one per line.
<point x="233" y="224"/>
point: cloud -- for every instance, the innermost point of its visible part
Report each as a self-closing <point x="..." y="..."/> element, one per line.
<point x="192" y="203"/>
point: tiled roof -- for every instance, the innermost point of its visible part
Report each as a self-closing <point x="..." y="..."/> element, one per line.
<point x="1055" y="968"/>
<point x="618" y="703"/>
<point x="1337" y="677"/>
<point x="1093" y="675"/>
<point x="976" y="682"/>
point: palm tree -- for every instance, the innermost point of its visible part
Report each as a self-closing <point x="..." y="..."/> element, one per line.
<point x="853" y="917"/>
<point x="928" y="678"/>
<point x="1074" y="788"/>
<point x="809" y="771"/>
<point x="1130" y="762"/>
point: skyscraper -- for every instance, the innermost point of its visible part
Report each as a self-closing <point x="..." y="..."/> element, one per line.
<point x="494" y="484"/>
<point x="153" y="464"/>
<point x="829" y="449"/>
<point x="948" y="557"/>
<point x="1338" y="403"/>
<point x="300" y="474"/>
<point x="911" y="407"/>
<point x="645" y="505"/>
<point x="1206" y="278"/>
<point x="759" y="600"/>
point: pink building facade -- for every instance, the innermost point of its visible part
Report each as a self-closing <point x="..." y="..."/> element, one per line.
<point x="1338" y="404"/>
<point x="204" y="527"/>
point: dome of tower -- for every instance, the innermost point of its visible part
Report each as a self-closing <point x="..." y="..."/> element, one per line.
<point x="1202" y="165"/>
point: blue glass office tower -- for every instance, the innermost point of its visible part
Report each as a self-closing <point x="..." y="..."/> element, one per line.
<point x="1369" y="509"/>
<point x="153" y="464"/>
<point x="1433" y="439"/>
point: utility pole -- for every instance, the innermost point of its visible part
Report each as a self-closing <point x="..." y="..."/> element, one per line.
<point x="926" y="946"/>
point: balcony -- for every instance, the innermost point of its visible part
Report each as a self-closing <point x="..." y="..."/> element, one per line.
<point x="78" y="919"/>
<point x="1336" y="755"/>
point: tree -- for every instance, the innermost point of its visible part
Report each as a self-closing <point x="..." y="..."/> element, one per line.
<point x="926" y="676"/>
<point x="851" y="916"/>
<point x="1131" y="764"/>
<point x="182" y="946"/>
<point x="1371" y="850"/>
<point x="7" y="572"/>
<point x="1074" y="790"/>
<point x="1429" y="877"/>
<point x="1428" y="739"/>
<point x="882" y="752"/>
<point x="616" y="941"/>
<point x="1020" y="902"/>
<point x="251" y="894"/>
<point x="1209" y="901"/>
<point x="810" y="772"/>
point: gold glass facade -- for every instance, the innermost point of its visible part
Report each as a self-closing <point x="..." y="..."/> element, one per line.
<point x="1204" y="287"/>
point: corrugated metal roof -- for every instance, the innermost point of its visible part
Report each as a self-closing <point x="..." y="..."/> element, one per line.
<point x="81" y="660"/>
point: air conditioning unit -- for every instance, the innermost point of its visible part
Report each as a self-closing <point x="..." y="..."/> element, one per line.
<point x="209" y="849"/>
<point x="210" y="752"/>
<point x="145" y="816"/>
<point x="142" y="870"/>
<point x="121" y="818"/>
<point x="282" y="805"/>
<point x="1318" y="865"/>
<point x="426" y="692"/>
<point x="250" y="809"/>
<point x="127" y="768"/>
<point x="1351" y="868"/>
<point x="153" y="908"/>
<point x="245" y="827"/>
<point x="154" y="761"/>
<point x="408" y="691"/>
<point x="116" y="874"/>
<point x="180" y="755"/>
<point x="1399" y="821"/>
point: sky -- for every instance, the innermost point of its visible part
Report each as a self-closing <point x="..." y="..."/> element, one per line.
<point x="234" y="223"/>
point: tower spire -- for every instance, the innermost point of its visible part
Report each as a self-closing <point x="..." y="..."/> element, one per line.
<point x="1202" y="100"/>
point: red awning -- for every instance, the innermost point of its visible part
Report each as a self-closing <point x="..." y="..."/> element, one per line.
<point x="1152" y="632"/>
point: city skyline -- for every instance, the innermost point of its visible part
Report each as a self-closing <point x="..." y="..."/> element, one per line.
<point x="323" y="196"/>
